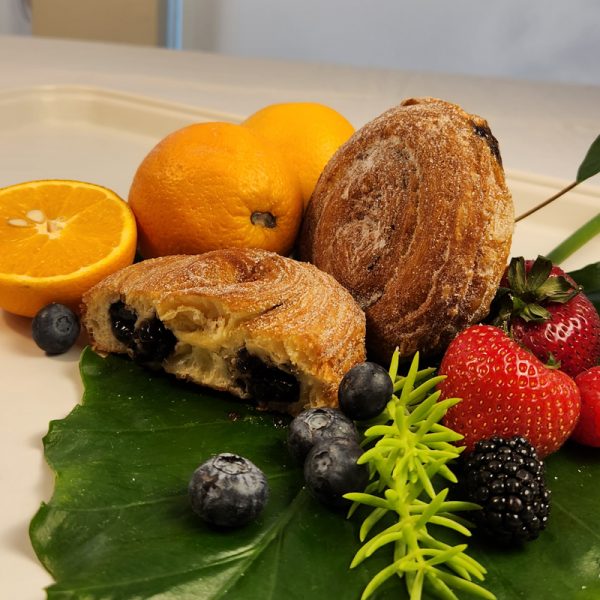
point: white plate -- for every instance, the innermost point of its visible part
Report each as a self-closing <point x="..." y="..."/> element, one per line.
<point x="101" y="136"/>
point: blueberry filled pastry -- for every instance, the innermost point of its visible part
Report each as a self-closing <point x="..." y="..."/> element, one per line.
<point x="263" y="327"/>
<point x="413" y="216"/>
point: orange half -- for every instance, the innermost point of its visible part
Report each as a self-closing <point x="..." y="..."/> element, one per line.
<point x="58" y="238"/>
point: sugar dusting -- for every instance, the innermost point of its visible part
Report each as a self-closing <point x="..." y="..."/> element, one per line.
<point x="413" y="216"/>
<point x="290" y="307"/>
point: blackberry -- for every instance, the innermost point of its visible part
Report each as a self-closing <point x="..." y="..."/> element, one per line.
<point x="506" y="477"/>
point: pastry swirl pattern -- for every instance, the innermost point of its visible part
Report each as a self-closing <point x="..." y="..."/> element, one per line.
<point x="413" y="216"/>
<point x="287" y="314"/>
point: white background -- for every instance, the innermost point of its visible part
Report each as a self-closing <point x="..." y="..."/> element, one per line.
<point x="544" y="40"/>
<point x="553" y="40"/>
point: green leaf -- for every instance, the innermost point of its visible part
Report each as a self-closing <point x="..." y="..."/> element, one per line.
<point x="576" y="240"/>
<point x="119" y="523"/>
<point x="591" y="163"/>
<point x="119" y="526"/>
<point x="589" y="279"/>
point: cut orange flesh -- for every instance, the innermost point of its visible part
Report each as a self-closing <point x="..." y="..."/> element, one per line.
<point x="57" y="239"/>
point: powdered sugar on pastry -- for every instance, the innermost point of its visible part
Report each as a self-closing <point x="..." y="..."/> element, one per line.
<point x="412" y="215"/>
<point x="235" y="313"/>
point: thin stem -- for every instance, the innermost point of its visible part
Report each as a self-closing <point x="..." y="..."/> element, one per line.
<point x="546" y="202"/>
<point x="577" y="239"/>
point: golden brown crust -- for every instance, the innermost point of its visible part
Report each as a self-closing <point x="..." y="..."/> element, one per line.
<point x="287" y="313"/>
<point x="412" y="215"/>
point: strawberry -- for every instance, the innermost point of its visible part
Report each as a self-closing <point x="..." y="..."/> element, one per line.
<point x="544" y="310"/>
<point x="506" y="391"/>
<point x="588" y="427"/>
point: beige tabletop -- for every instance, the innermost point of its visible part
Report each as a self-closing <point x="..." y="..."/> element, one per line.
<point x="543" y="129"/>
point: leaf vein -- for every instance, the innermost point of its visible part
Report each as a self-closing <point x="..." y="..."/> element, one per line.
<point x="577" y="520"/>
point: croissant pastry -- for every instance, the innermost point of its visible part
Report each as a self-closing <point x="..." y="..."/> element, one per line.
<point x="249" y="322"/>
<point x="412" y="215"/>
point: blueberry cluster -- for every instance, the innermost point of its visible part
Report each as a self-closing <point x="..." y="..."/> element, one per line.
<point x="149" y="341"/>
<point x="229" y="491"/>
<point x="318" y="425"/>
<point x="506" y="477"/>
<point x="327" y="442"/>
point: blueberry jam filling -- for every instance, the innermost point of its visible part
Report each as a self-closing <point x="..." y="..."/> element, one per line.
<point x="122" y="321"/>
<point x="265" y="383"/>
<point x="152" y="342"/>
<point x="484" y="132"/>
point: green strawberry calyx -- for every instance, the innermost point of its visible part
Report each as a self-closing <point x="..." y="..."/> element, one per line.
<point x="552" y="362"/>
<point x="529" y="291"/>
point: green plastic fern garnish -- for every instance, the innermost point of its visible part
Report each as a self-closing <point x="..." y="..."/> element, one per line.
<point x="408" y="451"/>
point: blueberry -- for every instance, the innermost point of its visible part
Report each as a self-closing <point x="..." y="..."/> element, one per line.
<point x="122" y="321"/>
<point x="152" y="342"/>
<point x="317" y="424"/>
<point x="55" y="328"/>
<point x="228" y="490"/>
<point x="365" y="391"/>
<point x="263" y="382"/>
<point x="330" y="471"/>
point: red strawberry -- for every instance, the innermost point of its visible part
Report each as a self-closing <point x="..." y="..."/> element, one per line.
<point x="506" y="391"/>
<point x="588" y="427"/>
<point x="549" y="314"/>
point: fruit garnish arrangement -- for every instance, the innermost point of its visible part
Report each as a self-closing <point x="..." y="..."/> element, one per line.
<point x="323" y="375"/>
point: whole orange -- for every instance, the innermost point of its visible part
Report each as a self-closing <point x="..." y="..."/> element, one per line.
<point x="307" y="134"/>
<point x="215" y="185"/>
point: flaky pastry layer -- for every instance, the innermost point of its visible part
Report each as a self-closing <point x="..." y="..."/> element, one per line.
<point x="228" y="305"/>
<point x="412" y="215"/>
